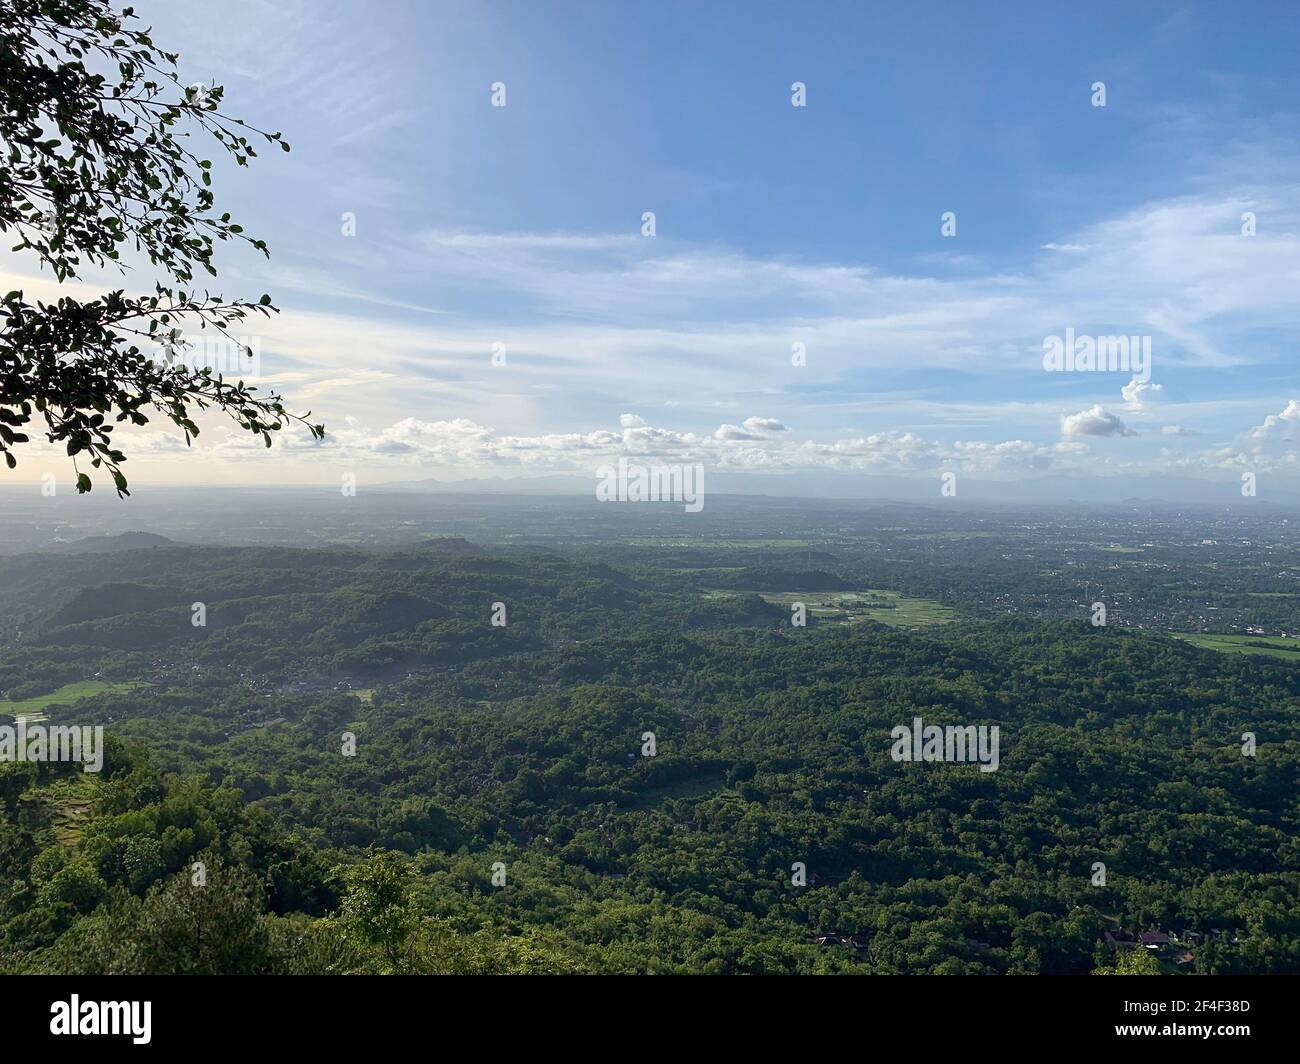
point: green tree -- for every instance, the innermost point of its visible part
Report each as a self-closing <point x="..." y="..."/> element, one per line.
<point x="96" y="128"/>
<point x="1131" y="962"/>
<point x="77" y="883"/>
<point x="179" y="928"/>
<point x="377" y="908"/>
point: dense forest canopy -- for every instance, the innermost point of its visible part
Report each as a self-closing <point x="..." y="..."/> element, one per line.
<point x="499" y="811"/>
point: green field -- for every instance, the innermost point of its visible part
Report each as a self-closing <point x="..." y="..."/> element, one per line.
<point x="848" y="607"/>
<point x="1285" y="647"/>
<point x="33" y="708"/>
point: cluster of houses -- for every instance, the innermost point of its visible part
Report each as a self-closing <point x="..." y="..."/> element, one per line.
<point x="1174" y="946"/>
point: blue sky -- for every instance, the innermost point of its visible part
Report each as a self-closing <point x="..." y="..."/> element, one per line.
<point x="775" y="225"/>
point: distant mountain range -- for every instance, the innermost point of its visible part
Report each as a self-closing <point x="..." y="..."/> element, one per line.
<point x="1128" y="491"/>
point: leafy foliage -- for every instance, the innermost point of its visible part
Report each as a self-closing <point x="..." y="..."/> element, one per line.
<point x="96" y="130"/>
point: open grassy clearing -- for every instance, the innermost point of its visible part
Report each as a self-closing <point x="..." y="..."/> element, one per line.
<point x="1284" y="647"/>
<point x="847" y="607"/>
<point x="32" y="709"/>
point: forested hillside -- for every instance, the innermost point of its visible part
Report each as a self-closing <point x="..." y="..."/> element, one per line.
<point x="500" y="810"/>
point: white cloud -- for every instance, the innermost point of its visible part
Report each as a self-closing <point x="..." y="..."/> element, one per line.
<point x="1276" y="424"/>
<point x="1138" y="393"/>
<point x="598" y="322"/>
<point x="765" y="424"/>
<point x="754" y="428"/>
<point x="1095" y="421"/>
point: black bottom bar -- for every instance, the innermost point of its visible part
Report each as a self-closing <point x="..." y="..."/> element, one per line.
<point x="304" y="1013"/>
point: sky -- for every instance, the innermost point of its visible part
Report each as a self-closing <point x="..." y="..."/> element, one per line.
<point x="470" y="290"/>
